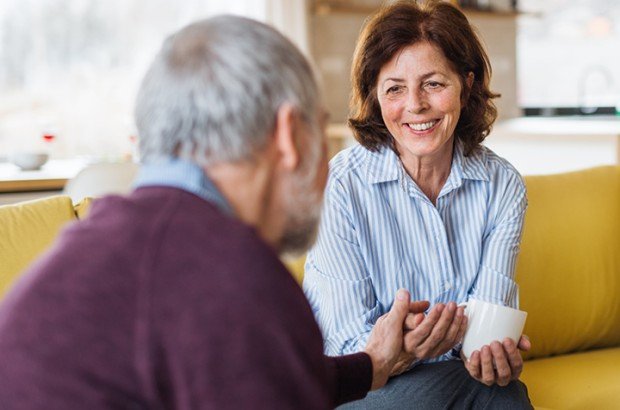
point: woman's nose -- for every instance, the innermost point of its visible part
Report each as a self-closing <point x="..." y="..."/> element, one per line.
<point x="416" y="102"/>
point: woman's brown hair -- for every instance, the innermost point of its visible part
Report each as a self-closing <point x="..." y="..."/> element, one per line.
<point x="405" y="23"/>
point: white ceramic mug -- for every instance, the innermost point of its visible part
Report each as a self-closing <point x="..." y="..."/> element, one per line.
<point x="488" y="322"/>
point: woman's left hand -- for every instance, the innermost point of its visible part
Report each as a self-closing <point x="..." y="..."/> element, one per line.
<point x="436" y="333"/>
<point x="499" y="363"/>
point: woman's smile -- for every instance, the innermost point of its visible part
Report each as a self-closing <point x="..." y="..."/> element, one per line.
<point x="422" y="127"/>
<point x="420" y="98"/>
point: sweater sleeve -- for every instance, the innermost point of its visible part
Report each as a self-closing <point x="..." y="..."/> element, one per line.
<point x="230" y="328"/>
<point x="353" y="376"/>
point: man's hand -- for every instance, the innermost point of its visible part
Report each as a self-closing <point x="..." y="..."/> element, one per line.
<point x="386" y="339"/>
<point x="436" y="333"/>
<point x="413" y="320"/>
<point x="498" y="363"/>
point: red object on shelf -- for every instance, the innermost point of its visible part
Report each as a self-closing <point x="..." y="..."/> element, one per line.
<point x="48" y="137"/>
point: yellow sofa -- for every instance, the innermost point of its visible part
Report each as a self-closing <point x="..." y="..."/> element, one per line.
<point x="568" y="272"/>
<point x="28" y="228"/>
<point x="569" y="278"/>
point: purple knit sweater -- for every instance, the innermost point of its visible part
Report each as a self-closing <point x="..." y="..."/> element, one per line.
<point x="160" y="301"/>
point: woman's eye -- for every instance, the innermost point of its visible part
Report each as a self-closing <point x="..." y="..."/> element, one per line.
<point x="433" y="85"/>
<point x="394" y="89"/>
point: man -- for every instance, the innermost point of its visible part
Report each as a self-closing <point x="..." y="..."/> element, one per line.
<point x="174" y="296"/>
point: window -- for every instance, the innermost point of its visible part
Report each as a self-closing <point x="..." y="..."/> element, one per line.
<point x="71" y="68"/>
<point x="568" y="58"/>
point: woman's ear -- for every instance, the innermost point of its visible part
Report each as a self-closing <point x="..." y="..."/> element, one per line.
<point x="468" y="84"/>
<point x="470" y="80"/>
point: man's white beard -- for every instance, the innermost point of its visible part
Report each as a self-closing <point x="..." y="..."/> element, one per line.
<point x="303" y="213"/>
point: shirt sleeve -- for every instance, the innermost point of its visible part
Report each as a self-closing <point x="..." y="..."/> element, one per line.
<point x="501" y="244"/>
<point x="336" y="280"/>
<point x="353" y="376"/>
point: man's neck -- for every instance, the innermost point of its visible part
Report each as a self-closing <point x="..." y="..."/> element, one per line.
<point x="249" y="189"/>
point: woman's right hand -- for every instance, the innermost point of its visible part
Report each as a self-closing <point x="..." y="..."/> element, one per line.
<point x="434" y="334"/>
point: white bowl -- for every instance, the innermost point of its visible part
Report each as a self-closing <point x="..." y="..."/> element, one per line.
<point x="29" y="161"/>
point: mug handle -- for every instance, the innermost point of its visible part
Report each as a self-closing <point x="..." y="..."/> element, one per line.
<point x="468" y="307"/>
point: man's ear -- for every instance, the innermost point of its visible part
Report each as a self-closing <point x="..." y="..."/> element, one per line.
<point x="285" y="131"/>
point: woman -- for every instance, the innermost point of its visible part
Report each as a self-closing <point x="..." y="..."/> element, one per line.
<point x="421" y="204"/>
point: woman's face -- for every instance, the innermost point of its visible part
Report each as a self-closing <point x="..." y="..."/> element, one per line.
<point x="420" y="99"/>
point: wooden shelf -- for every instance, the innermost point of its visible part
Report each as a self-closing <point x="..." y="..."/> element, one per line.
<point x="489" y="13"/>
<point x="339" y="136"/>
<point x="322" y="8"/>
<point x="55" y="184"/>
<point x="326" y="7"/>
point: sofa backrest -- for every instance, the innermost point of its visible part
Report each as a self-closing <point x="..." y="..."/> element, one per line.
<point x="568" y="271"/>
<point x="569" y="267"/>
<point x="26" y="230"/>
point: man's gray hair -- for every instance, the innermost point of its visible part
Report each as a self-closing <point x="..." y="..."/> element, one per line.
<point x="214" y="89"/>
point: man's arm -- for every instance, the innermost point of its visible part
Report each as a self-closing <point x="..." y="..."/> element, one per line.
<point x="353" y="376"/>
<point x="358" y="373"/>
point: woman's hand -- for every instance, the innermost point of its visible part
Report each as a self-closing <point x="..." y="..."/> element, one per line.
<point x="498" y="363"/>
<point x="436" y="333"/>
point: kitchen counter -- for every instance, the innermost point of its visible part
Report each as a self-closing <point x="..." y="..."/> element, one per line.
<point x="548" y="145"/>
<point x="545" y="145"/>
<point x="576" y="125"/>
<point x="539" y="145"/>
<point x="52" y="176"/>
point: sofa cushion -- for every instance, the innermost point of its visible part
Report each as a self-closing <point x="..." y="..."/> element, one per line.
<point x="82" y="208"/>
<point x="296" y="267"/>
<point x="26" y="230"/>
<point x="569" y="268"/>
<point x="589" y="380"/>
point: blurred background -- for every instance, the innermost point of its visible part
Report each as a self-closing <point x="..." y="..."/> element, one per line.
<point x="70" y="69"/>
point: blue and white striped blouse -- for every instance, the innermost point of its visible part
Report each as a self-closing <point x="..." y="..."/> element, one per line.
<point x="379" y="233"/>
